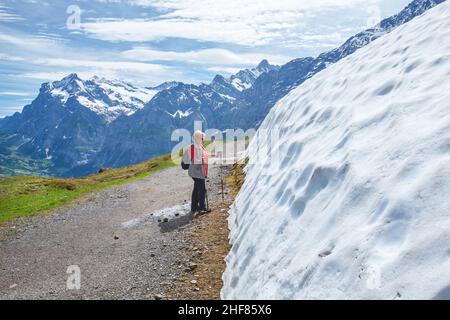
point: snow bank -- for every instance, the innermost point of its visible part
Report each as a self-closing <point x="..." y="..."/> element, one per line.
<point x="358" y="206"/>
<point x="175" y="212"/>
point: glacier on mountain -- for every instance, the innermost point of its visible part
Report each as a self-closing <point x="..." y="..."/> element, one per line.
<point x="108" y="98"/>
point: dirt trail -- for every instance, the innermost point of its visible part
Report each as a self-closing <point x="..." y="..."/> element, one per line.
<point x="122" y="250"/>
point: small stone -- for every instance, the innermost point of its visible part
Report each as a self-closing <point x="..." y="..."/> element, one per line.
<point x="197" y="289"/>
<point x="159" y="297"/>
<point x="177" y="214"/>
<point x="193" y="281"/>
<point x="13" y="286"/>
<point x="192" y="266"/>
<point x="166" y="220"/>
<point x="116" y="238"/>
<point x="152" y="255"/>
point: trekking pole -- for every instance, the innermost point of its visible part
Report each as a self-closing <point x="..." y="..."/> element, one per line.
<point x="207" y="200"/>
<point x="221" y="176"/>
<point x="206" y="188"/>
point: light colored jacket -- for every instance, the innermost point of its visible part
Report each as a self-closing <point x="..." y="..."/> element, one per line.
<point x="198" y="164"/>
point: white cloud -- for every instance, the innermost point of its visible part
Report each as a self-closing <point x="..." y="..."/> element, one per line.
<point x="11" y="58"/>
<point x="140" y="30"/>
<point x="134" y="72"/>
<point x="248" y="23"/>
<point x="6" y="15"/>
<point x="15" y="94"/>
<point x="214" y="56"/>
<point x="224" y="70"/>
<point x="47" y="58"/>
<point x="45" y="76"/>
<point x="107" y="65"/>
<point x="30" y="43"/>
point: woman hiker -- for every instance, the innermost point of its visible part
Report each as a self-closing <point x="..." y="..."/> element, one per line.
<point x="196" y="158"/>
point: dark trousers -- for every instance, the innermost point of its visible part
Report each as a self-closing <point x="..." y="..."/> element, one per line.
<point x="199" y="195"/>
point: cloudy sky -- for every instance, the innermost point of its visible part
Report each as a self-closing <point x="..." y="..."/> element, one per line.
<point x="147" y="42"/>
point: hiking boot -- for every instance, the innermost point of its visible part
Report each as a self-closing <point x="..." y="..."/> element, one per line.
<point x="205" y="211"/>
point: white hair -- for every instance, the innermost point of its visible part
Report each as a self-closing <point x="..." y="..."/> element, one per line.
<point x="198" y="137"/>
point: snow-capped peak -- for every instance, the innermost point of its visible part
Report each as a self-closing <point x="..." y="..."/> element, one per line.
<point x="108" y="98"/>
<point x="165" y="86"/>
<point x="263" y="67"/>
<point x="70" y="81"/>
<point x="66" y="87"/>
<point x="245" y="79"/>
<point x="123" y="92"/>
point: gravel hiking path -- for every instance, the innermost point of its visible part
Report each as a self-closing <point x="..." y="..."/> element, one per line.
<point x="119" y="238"/>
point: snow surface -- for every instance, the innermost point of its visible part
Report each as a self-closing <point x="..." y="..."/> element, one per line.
<point x="357" y="207"/>
<point x="245" y="79"/>
<point x="166" y="213"/>
<point x="47" y="156"/>
<point x="62" y="95"/>
<point x="240" y="85"/>
<point x="181" y="113"/>
<point x="122" y="92"/>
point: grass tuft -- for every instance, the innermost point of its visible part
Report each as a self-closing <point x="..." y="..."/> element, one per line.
<point x="237" y="177"/>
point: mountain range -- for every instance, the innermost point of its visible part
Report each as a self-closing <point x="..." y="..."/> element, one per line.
<point x="74" y="126"/>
